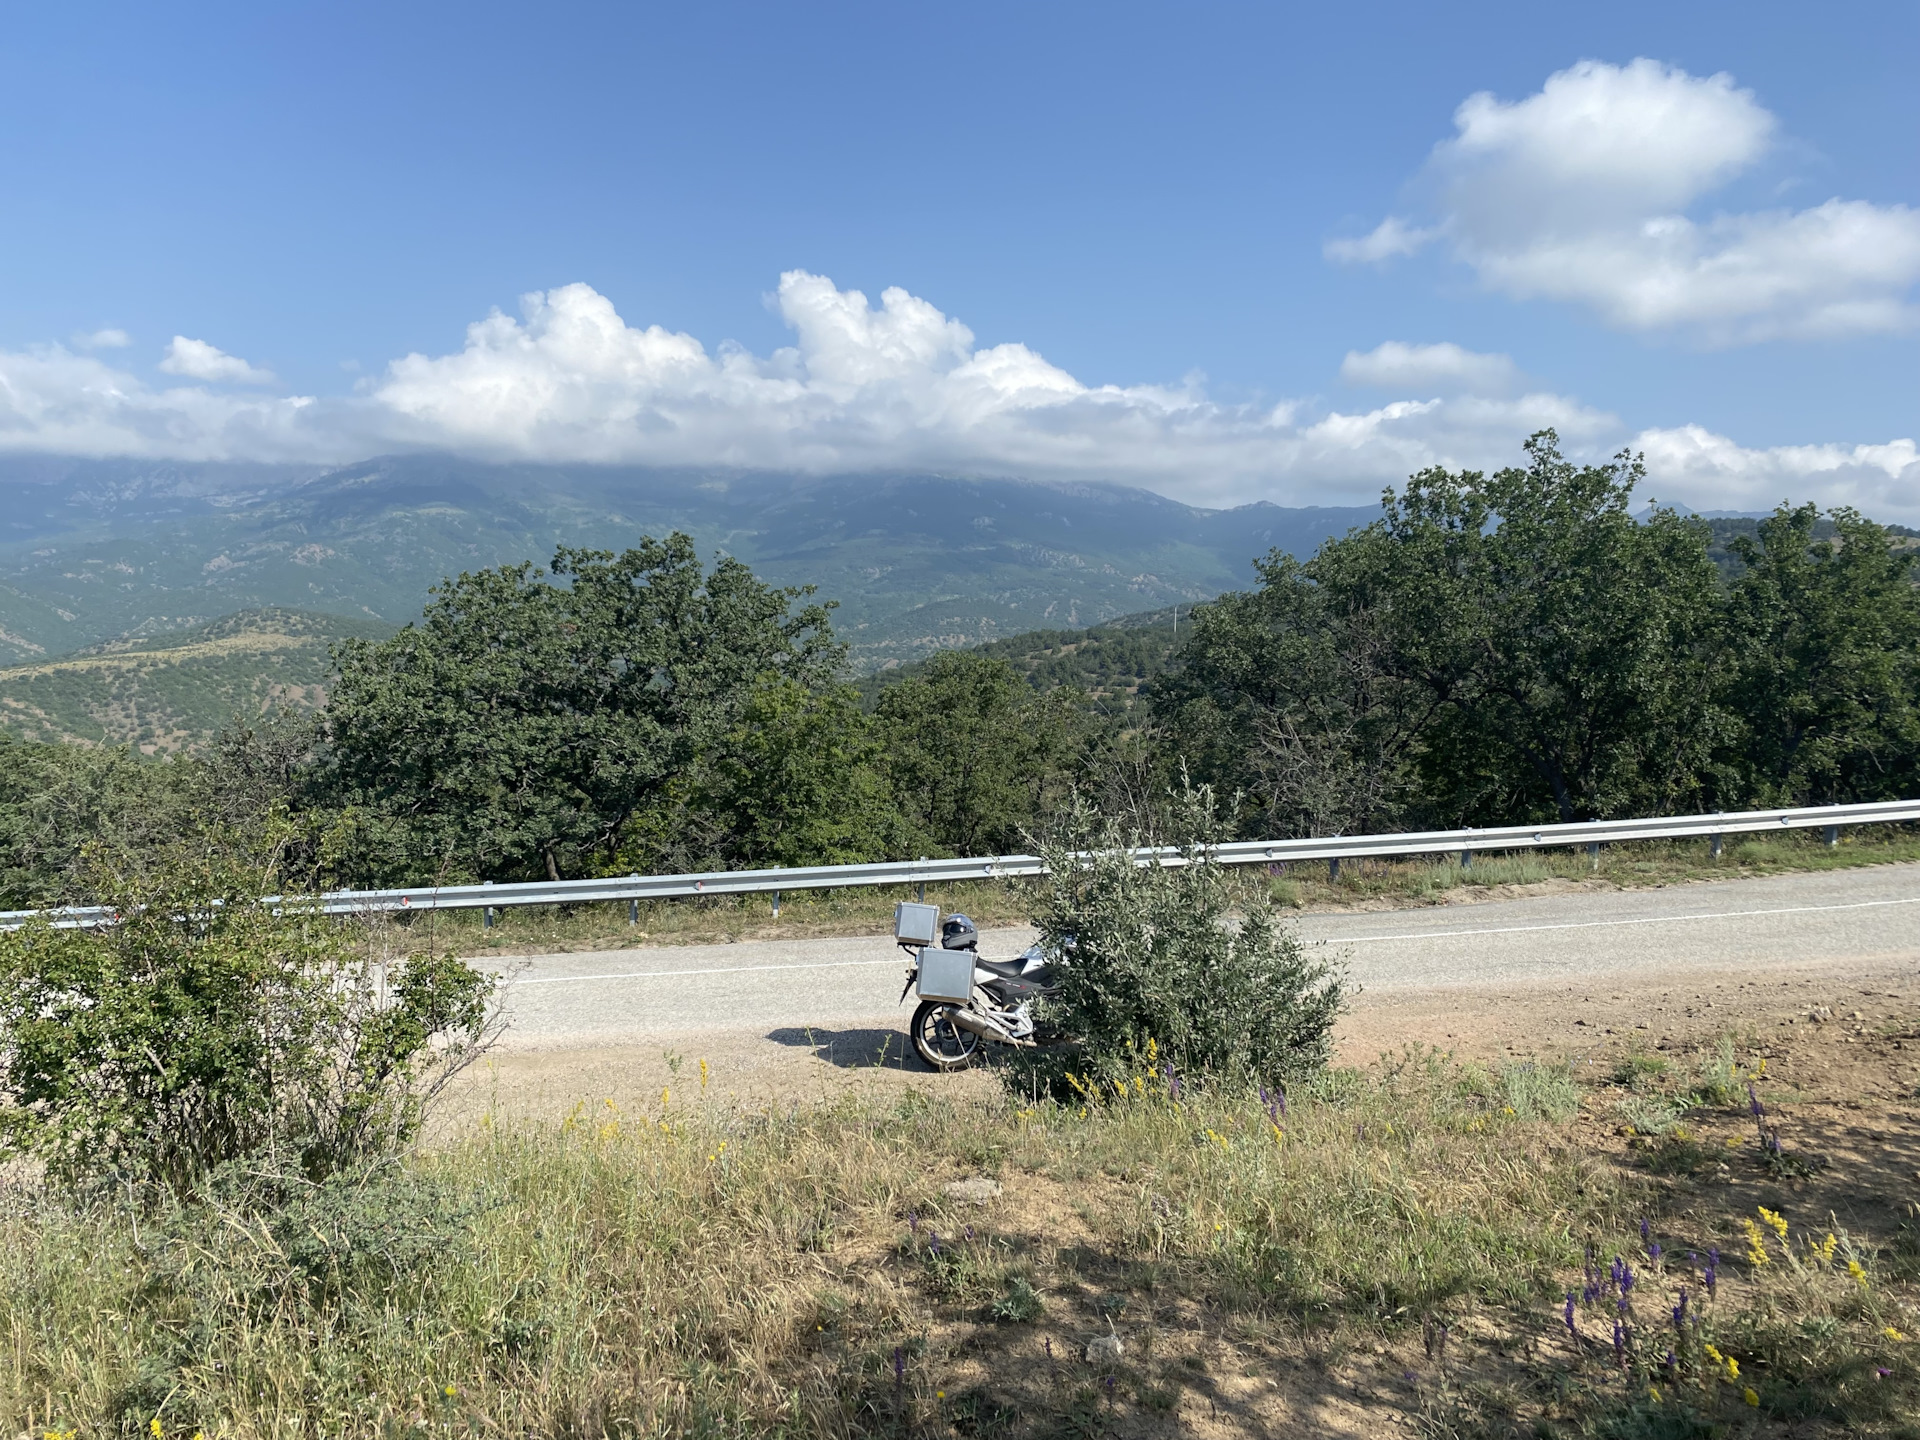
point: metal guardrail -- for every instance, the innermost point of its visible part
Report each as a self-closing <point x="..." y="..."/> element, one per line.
<point x="997" y="867"/>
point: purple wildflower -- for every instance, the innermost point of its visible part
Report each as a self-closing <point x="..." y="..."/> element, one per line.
<point x="1670" y="1362"/>
<point x="1680" y="1310"/>
<point x="1619" y="1342"/>
<point x="899" y="1367"/>
<point x="1880" y="1372"/>
<point x="1753" y="1101"/>
<point x="1567" y="1315"/>
<point x="1644" y="1229"/>
<point x="1626" y="1282"/>
<point x="934" y="1245"/>
<point x="969" y="1232"/>
<point x="1281" y="1094"/>
<point x="913" y="1221"/>
<point x="1654" y="1252"/>
<point x="1711" y="1278"/>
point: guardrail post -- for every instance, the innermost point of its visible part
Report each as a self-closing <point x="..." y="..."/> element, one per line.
<point x="486" y="912"/>
<point x="1714" y="849"/>
<point x="1466" y="859"/>
<point x="633" y="912"/>
<point x="923" y="884"/>
<point x="1333" y="871"/>
<point x="1593" y="853"/>
<point x="1833" y="836"/>
<point x="776" y="904"/>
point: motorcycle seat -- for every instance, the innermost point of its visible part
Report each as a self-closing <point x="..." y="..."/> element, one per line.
<point x="1005" y="969"/>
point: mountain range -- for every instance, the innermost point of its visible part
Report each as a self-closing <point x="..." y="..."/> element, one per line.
<point x="95" y="552"/>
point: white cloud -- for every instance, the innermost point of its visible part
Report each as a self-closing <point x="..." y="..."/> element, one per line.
<point x="1389" y="240"/>
<point x="197" y="360"/>
<point x="1711" y="472"/>
<point x="1443" y="367"/>
<point x="899" y="386"/>
<point x="103" y="340"/>
<point x="1582" y="193"/>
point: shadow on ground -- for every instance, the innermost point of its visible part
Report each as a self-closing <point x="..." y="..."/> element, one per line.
<point x="867" y="1048"/>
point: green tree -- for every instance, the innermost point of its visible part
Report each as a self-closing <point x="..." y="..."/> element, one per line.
<point x="1825" y="666"/>
<point x="1289" y="698"/>
<point x="798" y="782"/>
<point x="57" y="800"/>
<point x="973" y="755"/>
<point x="525" y="727"/>
<point x="1495" y="649"/>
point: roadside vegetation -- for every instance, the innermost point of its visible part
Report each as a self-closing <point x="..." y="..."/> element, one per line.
<point x="1464" y="1249"/>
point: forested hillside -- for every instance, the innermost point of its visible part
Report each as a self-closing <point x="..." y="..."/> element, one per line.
<point x="165" y="693"/>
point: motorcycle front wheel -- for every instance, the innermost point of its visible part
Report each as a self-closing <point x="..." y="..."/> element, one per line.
<point x="940" y="1042"/>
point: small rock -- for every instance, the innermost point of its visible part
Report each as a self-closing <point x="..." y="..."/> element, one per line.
<point x="977" y="1191"/>
<point x="1106" y="1350"/>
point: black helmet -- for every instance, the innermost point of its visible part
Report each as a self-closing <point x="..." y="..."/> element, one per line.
<point x="959" y="933"/>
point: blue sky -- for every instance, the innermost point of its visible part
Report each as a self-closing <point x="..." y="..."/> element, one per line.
<point x="1149" y="218"/>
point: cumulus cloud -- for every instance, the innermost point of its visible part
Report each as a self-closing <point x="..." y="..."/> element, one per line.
<point x="1583" y="193"/>
<point x="197" y="360"/>
<point x="1442" y="367"/>
<point x="103" y="340"/>
<point x="897" y="385"/>
<point x="1709" y="471"/>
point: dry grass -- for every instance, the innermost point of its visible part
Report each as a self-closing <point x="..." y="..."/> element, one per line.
<point x="1393" y="1248"/>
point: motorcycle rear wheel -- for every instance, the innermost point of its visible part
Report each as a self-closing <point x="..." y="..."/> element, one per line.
<point x="943" y="1045"/>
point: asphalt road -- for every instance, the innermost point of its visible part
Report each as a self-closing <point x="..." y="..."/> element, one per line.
<point x="1870" y="915"/>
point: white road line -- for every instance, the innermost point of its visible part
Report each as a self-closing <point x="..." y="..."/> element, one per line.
<point x="1598" y="924"/>
<point x="1330" y="940"/>
<point x="722" y="970"/>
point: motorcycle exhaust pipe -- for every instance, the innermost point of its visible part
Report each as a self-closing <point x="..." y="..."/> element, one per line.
<point x="987" y="1029"/>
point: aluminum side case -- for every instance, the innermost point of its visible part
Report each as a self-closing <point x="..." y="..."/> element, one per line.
<point x="946" y="975"/>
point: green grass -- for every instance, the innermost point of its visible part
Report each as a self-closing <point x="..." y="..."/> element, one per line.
<point x="706" y="1270"/>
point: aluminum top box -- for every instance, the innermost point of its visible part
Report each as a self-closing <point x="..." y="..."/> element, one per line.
<point x="916" y="924"/>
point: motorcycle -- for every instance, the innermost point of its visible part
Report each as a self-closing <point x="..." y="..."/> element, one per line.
<point x="966" y="1001"/>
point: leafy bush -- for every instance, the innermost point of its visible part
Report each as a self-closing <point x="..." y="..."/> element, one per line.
<point x="1158" y="965"/>
<point x="202" y="1026"/>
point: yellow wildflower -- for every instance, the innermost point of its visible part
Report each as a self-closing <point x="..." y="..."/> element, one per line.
<point x="1653" y="1393"/>
<point x="1823" y="1248"/>
<point x="1750" y="1396"/>
<point x="703" y="1072"/>
<point x="154" y="1426"/>
<point x="1279" y="1135"/>
<point x="1892" y="1334"/>
<point x="1756" y="1243"/>
<point x="1733" y="1368"/>
<point x="1153" y="1049"/>
<point x="666" y="1093"/>
<point x="451" y="1392"/>
<point x="1775" y="1221"/>
<point x="1857" y="1271"/>
<point x="1139" y="1085"/>
<point x="1714" y="1355"/>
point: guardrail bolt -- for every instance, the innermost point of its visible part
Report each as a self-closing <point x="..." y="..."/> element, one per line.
<point x="1833" y="836"/>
